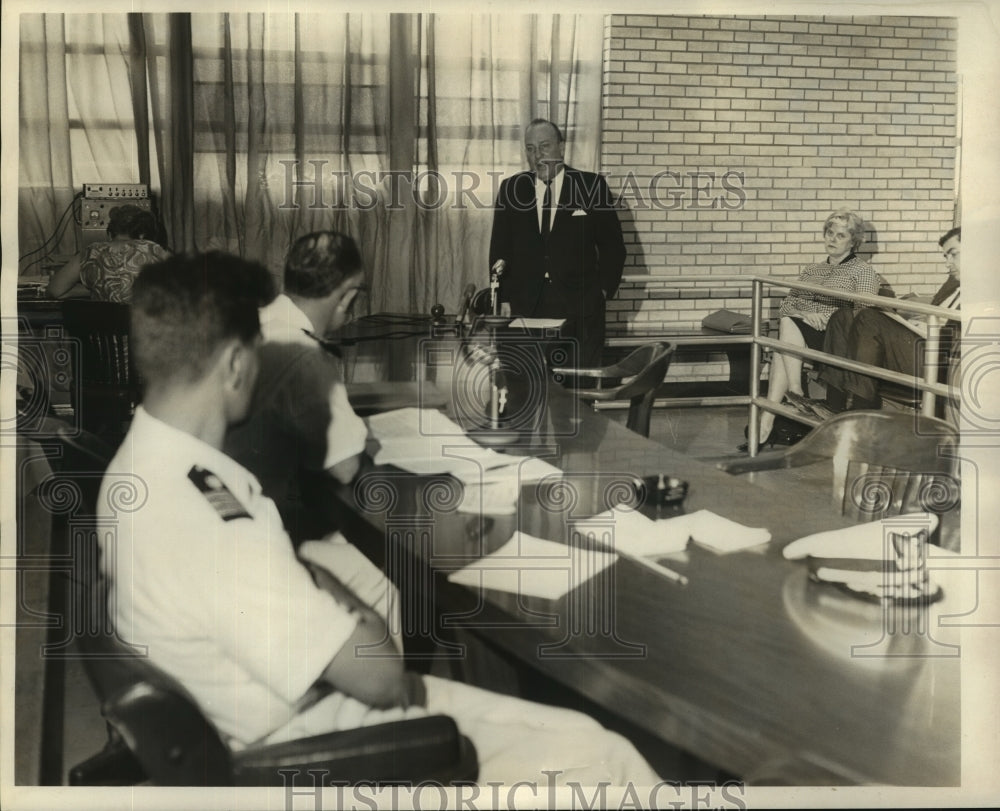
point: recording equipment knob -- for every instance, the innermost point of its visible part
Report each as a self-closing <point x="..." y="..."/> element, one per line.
<point x="437" y="313"/>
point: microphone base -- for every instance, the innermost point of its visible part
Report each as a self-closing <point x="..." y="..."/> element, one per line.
<point x="494" y="436"/>
<point x="491" y="322"/>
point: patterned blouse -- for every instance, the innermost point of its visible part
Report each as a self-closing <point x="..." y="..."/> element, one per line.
<point x="851" y="274"/>
<point x="109" y="268"/>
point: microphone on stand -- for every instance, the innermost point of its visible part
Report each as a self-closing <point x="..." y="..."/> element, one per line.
<point x="495" y="273"/>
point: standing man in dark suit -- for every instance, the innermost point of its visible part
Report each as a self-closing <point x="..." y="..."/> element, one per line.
<point x="557" y="242"/>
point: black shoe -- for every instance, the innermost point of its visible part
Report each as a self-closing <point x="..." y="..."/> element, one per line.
<point x="768" y="442"/>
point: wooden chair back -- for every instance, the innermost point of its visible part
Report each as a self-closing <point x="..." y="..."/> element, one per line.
<point x="634" y="378"/>
<point x="884" y="464"/>
<point x="106" y="386"/>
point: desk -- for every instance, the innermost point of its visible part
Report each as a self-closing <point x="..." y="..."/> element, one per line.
<point x="45" y="355"/>
<point x="749" y="667"/>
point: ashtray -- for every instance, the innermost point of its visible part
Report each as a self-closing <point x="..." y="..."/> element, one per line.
<point x="660" y="491"/>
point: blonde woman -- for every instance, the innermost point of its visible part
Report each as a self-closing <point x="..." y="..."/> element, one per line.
<point x="804" y="316"/>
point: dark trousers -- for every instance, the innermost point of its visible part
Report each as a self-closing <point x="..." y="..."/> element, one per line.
<point x="870" y="337"/>
<point x="587" y="331"/>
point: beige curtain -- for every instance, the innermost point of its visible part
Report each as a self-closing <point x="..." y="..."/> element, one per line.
<point x="253" y="129"/>
<point x="74" y="92"/>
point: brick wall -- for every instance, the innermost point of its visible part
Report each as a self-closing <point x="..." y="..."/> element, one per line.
<point x="731" y="138"/>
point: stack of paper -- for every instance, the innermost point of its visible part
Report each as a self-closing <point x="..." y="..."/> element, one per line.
<point x="632" y="533"/>
<point x="637" y="535"/>
<point x="722" y="535"/>
<point x="533" y="567"/>
<point x="425" y="441"/>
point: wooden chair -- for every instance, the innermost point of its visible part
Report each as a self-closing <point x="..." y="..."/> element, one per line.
<point x="105" y="386"/>
<point x="158" y="734"/>
<point x="884" y="464"/>
<point x="634" y="378"/>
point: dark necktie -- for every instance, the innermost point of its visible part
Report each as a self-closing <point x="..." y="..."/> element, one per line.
<point x="546" y="205"/>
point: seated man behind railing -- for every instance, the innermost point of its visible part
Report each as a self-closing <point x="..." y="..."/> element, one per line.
<point x="888" y="340"/>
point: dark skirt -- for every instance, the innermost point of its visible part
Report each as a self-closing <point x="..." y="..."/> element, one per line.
<point x="813" y="337"/>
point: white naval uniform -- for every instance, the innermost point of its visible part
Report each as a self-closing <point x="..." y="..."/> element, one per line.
<point x="204" y="576"/>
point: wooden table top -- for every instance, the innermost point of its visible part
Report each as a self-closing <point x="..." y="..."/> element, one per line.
<point x="751" y="666"/>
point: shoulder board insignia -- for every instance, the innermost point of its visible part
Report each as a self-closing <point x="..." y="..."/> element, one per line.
<point x="217" y="494"/>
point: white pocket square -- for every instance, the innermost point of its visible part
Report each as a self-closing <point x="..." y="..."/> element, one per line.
<point x="579" y="213"/>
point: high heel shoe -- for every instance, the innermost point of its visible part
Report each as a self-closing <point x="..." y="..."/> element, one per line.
<point x="762" y="444"/>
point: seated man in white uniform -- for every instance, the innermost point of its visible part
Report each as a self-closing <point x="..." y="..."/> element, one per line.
<point x="300" y="419"/>
<point x="202" y="573"/>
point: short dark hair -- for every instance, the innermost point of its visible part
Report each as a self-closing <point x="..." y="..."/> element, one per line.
<point x="133" y="222"/>
<point x="954" y="232"/>
<point x="539" y="121"/>
<point x="186" y="307"/>
<point x="319" y="262"/>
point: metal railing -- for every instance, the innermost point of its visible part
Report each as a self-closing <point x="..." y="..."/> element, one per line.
<point x="928" y="385"/>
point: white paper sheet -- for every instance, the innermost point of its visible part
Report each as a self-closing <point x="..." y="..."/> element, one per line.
<point x="537" y="323"/>
<point x="630" y="532"/>
<point x="425" y="441"/>
<point x="722" y="535"/>
<point x="533" y="567"/>
<point x="637" y="535"/>
<point x="521" y="469"/>
<point x="495" y="498"/>
<point x="408" y="422"/>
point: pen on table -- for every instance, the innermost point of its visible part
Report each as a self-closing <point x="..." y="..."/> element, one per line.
<point x="659" y="568"/>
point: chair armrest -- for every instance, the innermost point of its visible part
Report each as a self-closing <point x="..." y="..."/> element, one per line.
<point x="114" y="765"/>
<point x="566" y="370"/>
<point x="410" y="751"/>
<point x="776" y="460"/>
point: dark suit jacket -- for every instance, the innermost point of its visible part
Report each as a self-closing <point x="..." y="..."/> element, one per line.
<point x="585" y="252"/>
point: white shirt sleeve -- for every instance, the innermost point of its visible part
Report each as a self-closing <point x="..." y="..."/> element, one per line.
<point x="346" y="432"/>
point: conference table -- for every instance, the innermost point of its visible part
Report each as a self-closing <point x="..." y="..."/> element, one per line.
<point x="751" y="665"/>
